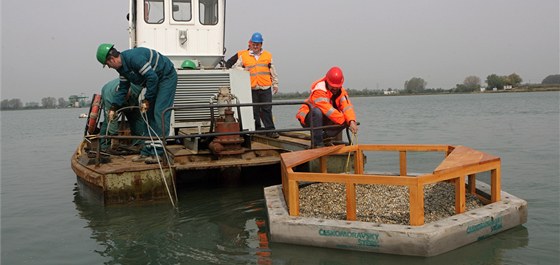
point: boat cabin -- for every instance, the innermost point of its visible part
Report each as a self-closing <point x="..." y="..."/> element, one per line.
<point x="191" y="34"/>
<point x="180" y="29"/>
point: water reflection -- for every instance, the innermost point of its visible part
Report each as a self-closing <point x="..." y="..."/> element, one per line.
<point x="214" y="223"/>
<point x="228" y="225"/>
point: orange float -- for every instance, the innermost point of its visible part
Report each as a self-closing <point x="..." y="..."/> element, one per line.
<point x="93" y="114"/>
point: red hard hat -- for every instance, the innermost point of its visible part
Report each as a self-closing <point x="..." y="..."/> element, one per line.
<point x="334" y="77"/>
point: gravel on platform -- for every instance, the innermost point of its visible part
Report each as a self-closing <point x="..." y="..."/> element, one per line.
<point x="386" y="204"/>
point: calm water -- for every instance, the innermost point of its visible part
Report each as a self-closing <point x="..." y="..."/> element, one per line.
<point x="46" y="219"/>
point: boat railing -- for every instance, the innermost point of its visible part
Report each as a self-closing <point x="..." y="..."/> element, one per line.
<point x="312" y="129"/>
<point x="459" y="162"/>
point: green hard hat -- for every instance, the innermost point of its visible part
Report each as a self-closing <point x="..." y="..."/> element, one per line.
<point x="102" y="52"/>
<point x="188" y="64"/>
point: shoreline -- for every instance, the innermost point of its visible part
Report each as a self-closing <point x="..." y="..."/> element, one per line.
<point x="523" y="89"/>
<point x="280" y="97"/>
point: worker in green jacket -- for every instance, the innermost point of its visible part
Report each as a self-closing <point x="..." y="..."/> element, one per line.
<point x="148" y="68"/>
<point x="135" y="121"/>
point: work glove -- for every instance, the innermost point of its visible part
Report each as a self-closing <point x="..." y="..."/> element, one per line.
<point x="144" y="106"/>
<point x="353" y="127"/>
<point x="112" y="113"/>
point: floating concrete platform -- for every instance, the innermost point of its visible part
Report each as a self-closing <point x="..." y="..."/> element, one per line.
<point x="427" y="240"/>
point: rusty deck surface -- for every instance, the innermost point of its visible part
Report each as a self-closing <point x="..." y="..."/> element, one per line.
<point x="120" y="164"/>
<point x="120" y="180"/>
<point x="259" y="155"/>
<point x="183" y="158"/>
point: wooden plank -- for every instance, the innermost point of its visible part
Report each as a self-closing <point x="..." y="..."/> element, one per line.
<point x="183" y="163"/>
<point x="495" y="184"/>
<point x="472" y="183"/>
<point x="416" y="194"/>
<point x="460" y="196"/>
<point x="261" y="146"/>
<point x="355" y="178"/>
<point x="455" y="172"/>
<point x="293" y="195"/>
<point x="463" y="156"/>
<point x="323" y="164"/>
<point x="346" y="149"/>
<point x="408" y="147"/>
<point x="350" y="201"/>
<point x="359" y="162"/>
<point x="292" y="159"/>
<point x="402" y="160"/>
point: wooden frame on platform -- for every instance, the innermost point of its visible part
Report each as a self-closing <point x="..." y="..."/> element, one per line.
<point x="460" y="163"/>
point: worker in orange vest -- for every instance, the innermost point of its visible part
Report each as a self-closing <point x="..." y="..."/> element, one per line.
<point x="329" y="105"/>
<point x="264" y="81"/>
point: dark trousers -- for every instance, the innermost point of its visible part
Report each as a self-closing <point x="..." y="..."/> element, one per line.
<point x="263" y="113"/>
<point x="320" y="120"/>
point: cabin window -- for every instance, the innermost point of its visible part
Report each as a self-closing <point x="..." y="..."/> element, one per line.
<point x="208" y="12"/>
<point x="182" y="10"/>
<point x="153" y="11"/>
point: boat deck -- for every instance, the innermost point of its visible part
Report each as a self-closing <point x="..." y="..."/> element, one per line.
<point x="122" y="180"/>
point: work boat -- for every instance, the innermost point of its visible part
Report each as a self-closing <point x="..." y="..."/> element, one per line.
<point x="212" y="128"/>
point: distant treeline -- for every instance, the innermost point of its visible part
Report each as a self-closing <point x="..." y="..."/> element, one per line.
<point x="46" y="103"/>
<point x="414" y="86"/>
<point x="426" y="91"/>
<point x="471" y="84"/>
<point x="352" y="92"/>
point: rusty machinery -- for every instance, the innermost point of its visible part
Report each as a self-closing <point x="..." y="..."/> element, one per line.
<point x="226" y="122"/>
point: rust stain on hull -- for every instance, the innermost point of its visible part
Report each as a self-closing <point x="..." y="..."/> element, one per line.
<point x="123" y="181"/>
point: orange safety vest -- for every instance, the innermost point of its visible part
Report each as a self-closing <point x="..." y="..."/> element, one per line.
<point x="258" y="69"/>
<point x="240" y="53"/>
<point x="320" y="97"/>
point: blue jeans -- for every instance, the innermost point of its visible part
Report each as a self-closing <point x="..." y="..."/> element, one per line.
<point x="320" y="120"/>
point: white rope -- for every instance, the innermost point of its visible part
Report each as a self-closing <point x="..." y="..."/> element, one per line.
<point x="153" y="143"/>
<point x="354" y="142"/>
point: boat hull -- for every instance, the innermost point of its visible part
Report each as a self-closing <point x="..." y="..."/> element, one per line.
<point x="123" y="181"/>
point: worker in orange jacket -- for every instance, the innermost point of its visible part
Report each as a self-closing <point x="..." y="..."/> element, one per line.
<point x="329" y="105"/>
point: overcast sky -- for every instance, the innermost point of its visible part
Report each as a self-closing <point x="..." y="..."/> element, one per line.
<point x="48" y="47"/>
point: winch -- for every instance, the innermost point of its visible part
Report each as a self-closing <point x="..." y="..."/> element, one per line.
<point x="226" y="122"/>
